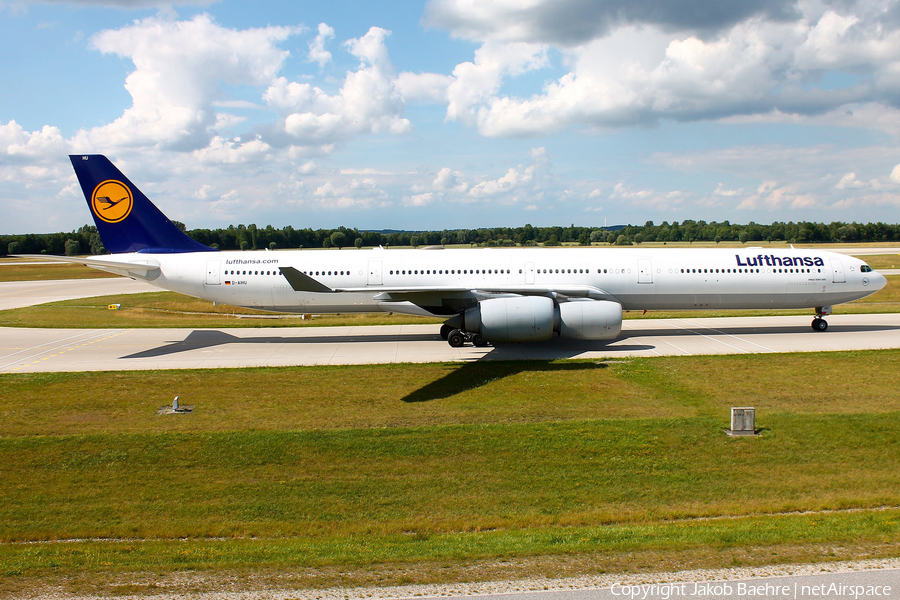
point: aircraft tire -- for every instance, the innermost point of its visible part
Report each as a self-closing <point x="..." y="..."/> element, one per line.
<point x="445" y="331"/>
<point x="478" y="341"/>
<point x="819" y="324"/>
<point x="456" y="339"/>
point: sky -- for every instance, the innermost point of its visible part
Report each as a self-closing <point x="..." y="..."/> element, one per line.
<point x="452" y="114"/>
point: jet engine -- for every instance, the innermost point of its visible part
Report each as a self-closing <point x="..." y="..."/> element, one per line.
<point x="536" y="318"/>
<point x="589" y="320"/>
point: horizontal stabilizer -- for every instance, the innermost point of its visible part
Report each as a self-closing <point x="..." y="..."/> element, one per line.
<point x="303" y="283"/>
<point x="145" y="265"/>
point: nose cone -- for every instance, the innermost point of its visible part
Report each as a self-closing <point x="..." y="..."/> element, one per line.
<point x="878" y="281"/>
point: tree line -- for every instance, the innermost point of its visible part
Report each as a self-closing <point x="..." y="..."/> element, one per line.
<point x="86" y="240"/>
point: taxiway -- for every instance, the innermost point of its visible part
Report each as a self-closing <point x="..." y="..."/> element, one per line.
<point x="52" y="350"/>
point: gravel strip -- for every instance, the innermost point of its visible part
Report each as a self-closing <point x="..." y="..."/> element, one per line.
<point x="508" y="587"/>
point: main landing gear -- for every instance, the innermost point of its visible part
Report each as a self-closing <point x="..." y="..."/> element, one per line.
<point x="457" y="338"/>
<point x="820" y="324"/>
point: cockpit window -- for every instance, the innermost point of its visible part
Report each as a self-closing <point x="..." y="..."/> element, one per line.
<point x="865" y="269"/>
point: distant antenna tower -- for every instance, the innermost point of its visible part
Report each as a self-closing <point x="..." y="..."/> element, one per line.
<point x="604" y="222"/>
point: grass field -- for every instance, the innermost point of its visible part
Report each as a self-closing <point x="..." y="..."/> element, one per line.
<point x="882" y="261"/>
<point x="10" y="271"/>
<point x="441" y="472"/>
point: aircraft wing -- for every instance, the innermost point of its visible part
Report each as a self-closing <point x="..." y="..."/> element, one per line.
<point x="422" y="295"/>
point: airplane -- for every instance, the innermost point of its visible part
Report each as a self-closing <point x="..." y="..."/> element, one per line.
<point x="486" y="295"/>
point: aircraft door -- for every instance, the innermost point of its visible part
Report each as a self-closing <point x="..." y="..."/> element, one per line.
<point x="838" y="270"/>
<point x="645" y="271"/>
<point x="529" y="272"/>
<point x="374" y="273"/>
<point x="212" y="272"/>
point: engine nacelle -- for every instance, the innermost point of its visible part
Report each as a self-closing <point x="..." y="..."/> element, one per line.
<point x="520" y="319"/>
<point x="590" y="320"/>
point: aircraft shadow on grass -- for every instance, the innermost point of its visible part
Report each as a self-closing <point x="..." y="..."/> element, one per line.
<point x="499" y="362"/>
<point x="475" y="374"/>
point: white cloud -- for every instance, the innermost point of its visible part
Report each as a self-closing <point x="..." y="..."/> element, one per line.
<point x="368" y="101"/>
<point x="721" y="191"/>
<point x="419" y="199"/>
<point x="16" y="144"/>
<point x="204" y="192"/>
<point x="308" y="168"/>
<point x="222" y="151"/>
<point x="849" y="181"/>
<point x="179" y="68"/>
<point x="448" y="180"/>
<point x="317" y="51"/>
<point x="423" y="87"/>
<point x="630" y="63"/>
<point x="476" y="83"/>
<point x="770" y="196"/>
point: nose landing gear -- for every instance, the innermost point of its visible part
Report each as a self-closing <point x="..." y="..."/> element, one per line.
<point x="820" y="324"/>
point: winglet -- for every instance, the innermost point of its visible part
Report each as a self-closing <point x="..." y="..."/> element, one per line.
<point x="303" y="283"/>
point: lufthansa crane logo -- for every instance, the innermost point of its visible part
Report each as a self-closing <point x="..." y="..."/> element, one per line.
<point x="112" y="201"/>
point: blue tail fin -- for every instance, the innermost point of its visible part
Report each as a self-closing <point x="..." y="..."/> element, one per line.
<point x="126" y="220"/>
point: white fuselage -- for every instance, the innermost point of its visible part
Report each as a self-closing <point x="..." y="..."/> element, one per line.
<point x="637" y="278"/>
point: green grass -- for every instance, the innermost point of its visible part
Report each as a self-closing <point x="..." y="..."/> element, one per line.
<point x="402" y="469"/>
<point x="372" y="396"/>
<point x="10" y="271"/>
<point x="881" y="261"/>
<point x="439" y="480"/>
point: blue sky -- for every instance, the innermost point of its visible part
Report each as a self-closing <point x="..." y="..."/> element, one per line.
<point x="455" y="113"/>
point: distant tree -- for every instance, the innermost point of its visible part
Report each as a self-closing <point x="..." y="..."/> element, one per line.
<point x="327" y="243"/>
<point x="621" y="240"/>
<point x="611" y="239"/>
<point x="97" y="244"/>
<point x="553" y="241"/>
<point x="272" y="245"/>
<point x="414" y="241"/>
<point x="180" y="226"/>
<point x="847" y="233"/>
<point x="72" y="247"/>
<point x="445" y="240"/>
<point x="245" y="245"/>
<point x="358" y="242"/>
<point x="638" y="239"/>
<point x="598" y="235"/>
<point x="584" y="239"/>
<point x="743" y="237"/>
<point x="718" y="239"/>
<point x="14" y="247"/>
<point x="339" y="239"/>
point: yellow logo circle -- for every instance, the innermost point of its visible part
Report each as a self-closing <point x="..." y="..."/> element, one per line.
<point x="112" y="201"/>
